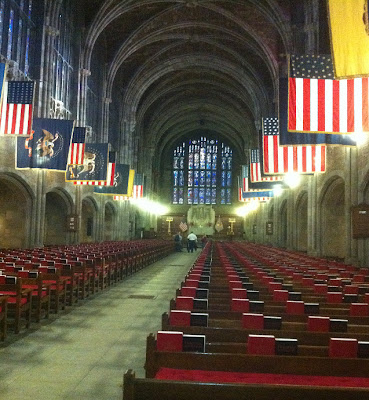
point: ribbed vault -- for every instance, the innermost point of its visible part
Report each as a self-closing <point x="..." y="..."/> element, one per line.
<point x="185" y="66"/>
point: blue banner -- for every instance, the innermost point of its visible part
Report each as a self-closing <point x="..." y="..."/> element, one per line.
<point x="94" y="167"/>
<point x="121" y="182"/>
<point x="48" y="145"/>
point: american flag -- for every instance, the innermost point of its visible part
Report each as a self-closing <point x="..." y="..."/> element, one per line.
<point x="255" y="169"/>
<point x="319" y="103"/>
<point x="16" y="109"/>
<point x="77" y="147"/>
<point x="260" y="196"/>
<point x="285" y="159"/>
<point x="240" y="189"/>
<point x="183" y="226"/>
<point x="121" y="198"/>
<point x="138" y="187"/>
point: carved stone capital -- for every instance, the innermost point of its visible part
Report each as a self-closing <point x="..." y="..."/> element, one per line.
<point x="85" y="72"/>
<point x="51" y="31"/>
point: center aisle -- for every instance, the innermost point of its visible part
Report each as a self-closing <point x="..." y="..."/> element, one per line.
<point x="83" y="353"/>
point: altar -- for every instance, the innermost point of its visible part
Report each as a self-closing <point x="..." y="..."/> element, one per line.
<point x="201" y="219"/>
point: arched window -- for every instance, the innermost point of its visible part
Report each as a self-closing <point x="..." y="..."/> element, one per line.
<point x="202" y="172"/>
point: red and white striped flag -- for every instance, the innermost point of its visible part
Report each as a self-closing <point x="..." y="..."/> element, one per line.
<point x="16" y="108"/>
<point x="317" y="103"/>
<point x="284" y="159"/>
<point x="77" y="147"/>
<point x="255" y="169"/>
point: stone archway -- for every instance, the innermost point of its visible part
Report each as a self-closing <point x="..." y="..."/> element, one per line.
<point x="302" y="222"/>
<point x="110" y="222"/>
<point x="16" y="203"/>
<point x="88" y="231"/>
<point x="332" y="219"/>
<point x="58" y="206"/>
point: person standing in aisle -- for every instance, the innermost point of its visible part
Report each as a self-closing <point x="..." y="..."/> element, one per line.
<point x="192" y="240"/>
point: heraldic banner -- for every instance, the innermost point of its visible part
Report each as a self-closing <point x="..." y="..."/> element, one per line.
<point x="48" y="145"/>
<point x="123" y="182"/>
<point x="94" y="167"/>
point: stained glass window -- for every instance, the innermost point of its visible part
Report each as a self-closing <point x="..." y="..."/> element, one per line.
<point x="202" y="172"/>
<point x="15" y="32"/>
<point x="10" y="35"/>
<point x="179" y="174"/>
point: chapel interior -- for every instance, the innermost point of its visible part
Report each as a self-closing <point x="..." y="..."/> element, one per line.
<point x="178" y="91"/>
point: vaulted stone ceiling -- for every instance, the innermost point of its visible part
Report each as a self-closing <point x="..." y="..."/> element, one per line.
<point x="186" y="66"/>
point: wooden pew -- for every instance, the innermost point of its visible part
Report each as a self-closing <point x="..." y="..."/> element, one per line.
<point x="143" y="389"/>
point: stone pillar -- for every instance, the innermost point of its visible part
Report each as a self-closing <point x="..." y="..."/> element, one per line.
<point x="78" y="212"/>
<point x="290" y="221"/>
<point x="311" y="27"/>
<point x="351" y="199"/>
<point x="83" y="75"/>
<point x="312" y="228"/>
<point x="40" y="203"/>
<point x="105" y="127"/>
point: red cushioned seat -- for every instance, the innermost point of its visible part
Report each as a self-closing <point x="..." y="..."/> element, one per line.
<point x="318" y="324"/>
<point x="241" y="305"/>
<point x="351" y="289"/>
<point x="184" y="303"/>
<point x="343" y="347"/>
<point x="334" y="297"/>
<point x="261" y="344"/>
<point x="358" y="278"/>
<point x="239" y="294"/>
<point x="235" y="284"/>
<point x="180" y="318"/>
<point x="295" y="307"/>
<point x="188" y="291"/>
<point x="280" y="295"/>
<point x="169" y="341"/>
<point x="321" y="288"/>
<point x="274" y="286"/>
<point x="307" y="281"/>
<point x="192" y="282"/>
<point x="13" y="300"/>
<point x="252" y="321"/>
<point x="359" y="309"/>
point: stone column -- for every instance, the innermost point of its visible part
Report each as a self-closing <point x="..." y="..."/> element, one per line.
<point x="40" y="205"/>
<point x="105" y="123"/>
<point x="78" y="212"/>
<point x="312" y="228"/>
<point x="83" y="75"/>
<point x="351" y="199"/>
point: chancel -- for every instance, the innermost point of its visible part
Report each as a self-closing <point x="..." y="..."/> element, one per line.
<point x="184" y="199"/>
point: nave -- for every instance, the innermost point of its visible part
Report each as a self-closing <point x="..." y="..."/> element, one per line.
<point x="84" y="351"/>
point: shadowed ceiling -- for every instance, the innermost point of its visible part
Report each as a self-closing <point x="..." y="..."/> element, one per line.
<point x="186" y="66"/>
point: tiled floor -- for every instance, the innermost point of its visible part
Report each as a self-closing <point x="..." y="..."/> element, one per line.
<point x="84" y="352"/>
